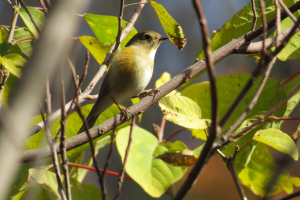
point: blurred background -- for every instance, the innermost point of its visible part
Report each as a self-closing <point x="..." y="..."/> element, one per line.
<point x="215" y="181"/>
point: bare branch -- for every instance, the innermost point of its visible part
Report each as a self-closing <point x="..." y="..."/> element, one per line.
<point x="63" y="123"/>
<point x="278" y="22"/>
<point x="290" y="14"/>
<point x="254" y="15"/>
<point x="122" y="172"/>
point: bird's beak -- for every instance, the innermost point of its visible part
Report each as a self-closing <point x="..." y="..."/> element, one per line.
<point x="163" y="38"/>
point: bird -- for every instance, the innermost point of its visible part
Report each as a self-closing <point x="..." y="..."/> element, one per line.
<point x="130" y="72"/>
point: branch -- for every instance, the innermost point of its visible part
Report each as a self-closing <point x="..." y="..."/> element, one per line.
<point x="290" y="14"/>
<point x="143" y="104"/>
<point x="254" y="15"/>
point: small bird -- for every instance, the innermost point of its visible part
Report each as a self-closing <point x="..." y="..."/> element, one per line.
<point x="130" y="72"/>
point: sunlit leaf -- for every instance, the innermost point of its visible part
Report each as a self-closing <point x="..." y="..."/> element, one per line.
<point x="106" y="28"/>
<point x="278" y="140"/>
<point x="256" y="166"/>
<point x="13" y="63"/>
<point x="182" y="111"/>
<point x="154" y="176"/>
<point x="37" y="15"/>
<point x="171" y="27"/>
<point x="98" y="49"/>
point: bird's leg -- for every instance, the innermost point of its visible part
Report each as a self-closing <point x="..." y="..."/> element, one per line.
<point x="147" y="93"/>
<point x="124" y="111"/>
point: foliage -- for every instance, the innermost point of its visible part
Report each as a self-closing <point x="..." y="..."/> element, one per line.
<point x="153" y="164"/>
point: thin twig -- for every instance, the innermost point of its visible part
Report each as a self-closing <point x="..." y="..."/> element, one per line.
<point x="122" y="172"/>
<point x="176" y="133"/>
<point x="86" y="65"/>
<point x="100" y="175"/>
<point x="13" y="27"/>
<point x="93" y="169"/>
<point x="254" y="15"/>
<point x="286" y="9"/>
<point x="112" y="136"/>
<point x="290" y="78"/>
<point x="120" y="26"/>
<point x="162" y="128"/>
<point x="78" y="109"/>
<point x="230" y="164"/>
<point x="213" y="132"/>
<point x="51" y="144"/>
<point x="278" y="22"/>
<point x="24" y="39"/>
<point x="32" y="19"/>
<point x="63" y="123"/>
<point x="132" y="4"/>
<point x="42" y="2"/>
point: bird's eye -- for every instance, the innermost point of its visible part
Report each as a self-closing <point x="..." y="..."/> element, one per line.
<point x="147" y="36"/>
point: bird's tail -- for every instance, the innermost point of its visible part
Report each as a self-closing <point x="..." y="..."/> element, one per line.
<point x="90" y="120"/>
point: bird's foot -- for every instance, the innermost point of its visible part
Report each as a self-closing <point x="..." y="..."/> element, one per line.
<point x="123" y="110"/>
<point x="150" y="92"/>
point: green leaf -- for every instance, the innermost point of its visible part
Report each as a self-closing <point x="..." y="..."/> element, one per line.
<point x="45" y="178"/>
<point x="26" y="45"/>
<point x="278" y="140"/>
<point x="106" y="28"/>
<point x="171" y="27"/>
<point x="5" y="48"/>
<point x="37" y="15"/>
<point x="84" y="191"/>
<point x="13" y="63"/>
<point x="199" y="133"/>
<point x="182" y="111"/>
<point x="8" y="87"/>
<point x="289" y="87"/>
<point x="3" y="35"/>
<point x="154" y="176"/>
<point x="98" y="49"/>
<point x="255" y="167"/>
